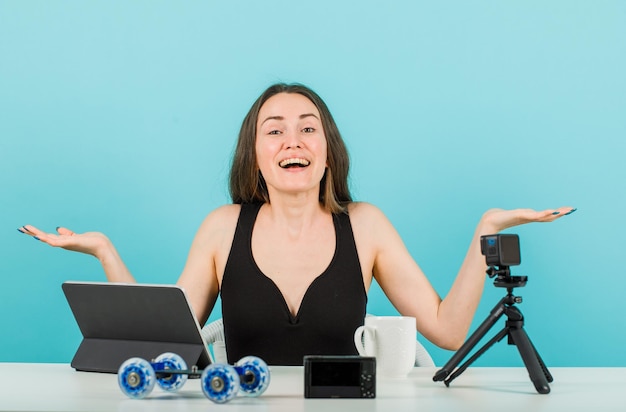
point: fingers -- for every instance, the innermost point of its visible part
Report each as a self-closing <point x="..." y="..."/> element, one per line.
<point x="551" y="215"/>
<point x="570" y="211"/>
<point x="64" y="231"/>
<point x="563" y="211"/>
<point x="49" y="238"/>
<point x="30" y="231"/>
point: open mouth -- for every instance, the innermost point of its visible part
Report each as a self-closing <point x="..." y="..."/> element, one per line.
<point x="294" y="162"/>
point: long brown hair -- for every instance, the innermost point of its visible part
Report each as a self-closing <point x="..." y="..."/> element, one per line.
<point x="246" y="183"/>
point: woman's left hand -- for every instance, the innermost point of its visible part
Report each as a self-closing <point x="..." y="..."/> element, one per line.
<point x="502" y="219"/>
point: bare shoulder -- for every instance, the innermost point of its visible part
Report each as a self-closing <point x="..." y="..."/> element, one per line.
<point x="221" y="220"/>
<point x="225" y="212"/>
<point x="363" y="213"/>
<point x="373" y="235"/>
<point x="369" y="222"/>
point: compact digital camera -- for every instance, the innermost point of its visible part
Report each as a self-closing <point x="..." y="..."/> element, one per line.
<point x="501" y="249"/>
<point x="339" y="377"/>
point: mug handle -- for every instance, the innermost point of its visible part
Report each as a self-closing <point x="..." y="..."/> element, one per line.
<point x="358" y="340"/>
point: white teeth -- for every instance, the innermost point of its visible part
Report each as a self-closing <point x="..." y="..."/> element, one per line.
<point x="294" y="161"/>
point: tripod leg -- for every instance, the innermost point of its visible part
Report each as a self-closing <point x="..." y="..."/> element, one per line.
<point x="546" y="372"/>
<point x="469" y="344"/>
<point x="531" y="359"/>
<point x="497" y="338"/>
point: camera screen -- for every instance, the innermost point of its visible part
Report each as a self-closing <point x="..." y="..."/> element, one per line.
<point x="335" y="374"/>
<point x="509" y="250"/>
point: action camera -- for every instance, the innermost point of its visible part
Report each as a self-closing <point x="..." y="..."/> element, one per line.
<point x="500" y="250"/>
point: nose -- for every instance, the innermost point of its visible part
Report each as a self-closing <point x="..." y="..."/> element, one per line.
<point x="292" y="140"/>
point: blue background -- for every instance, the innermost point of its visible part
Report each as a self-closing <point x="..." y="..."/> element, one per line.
<point x="122" y="116"/>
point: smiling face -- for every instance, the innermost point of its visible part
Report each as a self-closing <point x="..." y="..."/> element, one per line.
<point x="291" y="148"/>
<point x="246" y="183"/>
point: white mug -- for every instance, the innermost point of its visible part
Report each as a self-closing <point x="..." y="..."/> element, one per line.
<point x="392" y="340"/>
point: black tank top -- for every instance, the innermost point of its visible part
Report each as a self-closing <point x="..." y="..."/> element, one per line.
<point x="257" y="320"/>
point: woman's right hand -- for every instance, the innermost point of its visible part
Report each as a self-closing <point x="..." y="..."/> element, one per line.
<point x="92" y="243"/>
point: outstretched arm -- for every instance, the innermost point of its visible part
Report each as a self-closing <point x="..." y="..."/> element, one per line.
<point x="457" y="309"/>
<point x="91" y="243"/>
<point x="201" y="276"/>
<point x="445" y="322"/>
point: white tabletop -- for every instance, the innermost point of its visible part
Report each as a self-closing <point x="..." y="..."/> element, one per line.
<point x="57" y="387"/>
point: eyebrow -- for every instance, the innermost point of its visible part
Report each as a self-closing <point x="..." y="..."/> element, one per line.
<point x="302" y="116"/>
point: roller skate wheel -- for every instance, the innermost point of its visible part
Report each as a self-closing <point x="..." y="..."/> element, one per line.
<point x="254" y="375"/>
<point x="136" y="378"/>
<point x="220" y="383"/>
<point x="173" y="382"/>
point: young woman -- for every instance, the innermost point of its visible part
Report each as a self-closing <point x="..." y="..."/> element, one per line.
<point x="293" y="257"/>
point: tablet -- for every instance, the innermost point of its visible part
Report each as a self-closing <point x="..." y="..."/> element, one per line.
<point x="119" y="321"/>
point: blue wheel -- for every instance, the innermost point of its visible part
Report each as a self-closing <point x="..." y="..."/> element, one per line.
<point x="173" y="382"/>
<point x="254" y="375"/>
<point x="136" y="378"/>
<point x="220" y="383"/>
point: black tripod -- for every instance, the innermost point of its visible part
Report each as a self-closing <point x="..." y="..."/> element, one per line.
<point x="514" y="329"/>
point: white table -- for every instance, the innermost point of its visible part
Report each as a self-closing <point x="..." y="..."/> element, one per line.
<point x="57" y="387"/>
